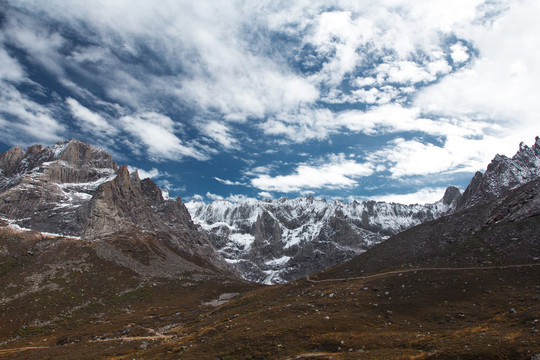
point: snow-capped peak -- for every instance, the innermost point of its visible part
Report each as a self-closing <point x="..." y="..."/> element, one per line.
<point x="275" y="241"/>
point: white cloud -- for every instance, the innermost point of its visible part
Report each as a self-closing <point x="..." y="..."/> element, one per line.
<point x="157" y="133"/>
<point x="396" y="118"/>
<point x="220" y="133"/>
<point x="335" y="173"/>
<point x="404" y="72"/>
<point x="10" y="70"/>
<point x="229" y="182"/>
<point x="203" y="39"/>
<point x="42" y="44"/>
<point x="90" y="121"/>
<point x="168" y="186"/>
<point x="460" y="53"/>
<point x="413" y="157"/>
<point x="222" y="59"/>
<point x="234" y="198"/>
<point x="33" y="122"/>
<point x="214" y="197"/>
<point x="145" y="174"/>
<point x="265" y="195"/>
<point x="422" y="196"/>
<point x="501" y="85"/>
<point x="304" y="124"/>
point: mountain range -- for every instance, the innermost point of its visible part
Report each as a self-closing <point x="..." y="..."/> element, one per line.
<point x="75" y="189"/>
<point x="276" y="241"/>
<point x="97" y="263"/>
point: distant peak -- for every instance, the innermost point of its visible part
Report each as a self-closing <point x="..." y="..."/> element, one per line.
<point x="34" y="149"/>
<point x="451" y="194"/>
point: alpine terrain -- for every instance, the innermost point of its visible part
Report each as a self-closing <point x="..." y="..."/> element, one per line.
<point x="97" y="263"/>
<point x="276" y="241"/>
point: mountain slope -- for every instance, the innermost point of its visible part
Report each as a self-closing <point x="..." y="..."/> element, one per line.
<point x="466" y="286"/>
<point x="500" y="232"/>
<point x="88" y="250"/>
<point x="83" y="298"/>
<point x="462" y="286"/>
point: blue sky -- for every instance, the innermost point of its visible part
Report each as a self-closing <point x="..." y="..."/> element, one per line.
<point x="387" y="100"/>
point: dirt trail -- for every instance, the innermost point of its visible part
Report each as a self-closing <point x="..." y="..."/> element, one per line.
<point x="134" y="338"/>
<point x="394" y="272"/>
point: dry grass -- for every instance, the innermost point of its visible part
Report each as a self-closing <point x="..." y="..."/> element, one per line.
<point x="102" y="310"/>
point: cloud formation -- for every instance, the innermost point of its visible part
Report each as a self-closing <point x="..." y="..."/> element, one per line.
<point x="335" y="172"/>
<point x="429" y="87"/>
<point x="422" y="196"/>
<point x="90" y="121"/>
<point x="157" y="133"/>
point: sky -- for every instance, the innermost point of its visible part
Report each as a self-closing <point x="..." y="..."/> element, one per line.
<point x="389" y="100"/>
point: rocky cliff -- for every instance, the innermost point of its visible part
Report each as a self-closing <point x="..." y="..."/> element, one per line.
<point x="76" y="189"/>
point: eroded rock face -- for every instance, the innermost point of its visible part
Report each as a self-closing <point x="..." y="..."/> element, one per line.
<point x="75" y="189"/>
<point x="48" y="189"/>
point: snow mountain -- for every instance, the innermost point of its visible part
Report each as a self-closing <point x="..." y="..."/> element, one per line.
<point x="74" y="189"/>
<point x="276" y="241"/>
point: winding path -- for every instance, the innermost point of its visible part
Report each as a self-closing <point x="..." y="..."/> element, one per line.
<point x="394" y="272"/>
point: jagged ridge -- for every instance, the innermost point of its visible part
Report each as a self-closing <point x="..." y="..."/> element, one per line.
<point x="503" y="174"/>
<point x="282" y="240"/>
<point x="75" y="189"/>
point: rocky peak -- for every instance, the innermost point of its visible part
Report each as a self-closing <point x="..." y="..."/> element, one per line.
<point x="9" y="161"/>
<point x="503" y="174"/>
<point x="152" y="192"/>
<point x="451" y="195"/>
<point x="119" y="205"/>
<point x="79" y="154"/>
<point x="34" y="149"/>
<point x="72" y="188"/>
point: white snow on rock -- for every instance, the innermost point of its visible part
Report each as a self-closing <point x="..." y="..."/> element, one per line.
<point x="267" y="239"/>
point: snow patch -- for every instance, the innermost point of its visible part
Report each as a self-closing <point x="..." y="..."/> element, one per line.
<point x="12" y="224"/>
<point x="242" y="239"/>
<point x="278" y="262"/>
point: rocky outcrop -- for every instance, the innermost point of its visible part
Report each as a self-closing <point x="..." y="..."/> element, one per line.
<point x="10" y="160"/>
<point x="119" y="205"/>
<point x="502" y="175"/>
<point x="451" y="196"/>
<point x="76" y="189"/>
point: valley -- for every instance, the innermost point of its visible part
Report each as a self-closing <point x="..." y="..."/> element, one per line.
<point x="136" y="278"/>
